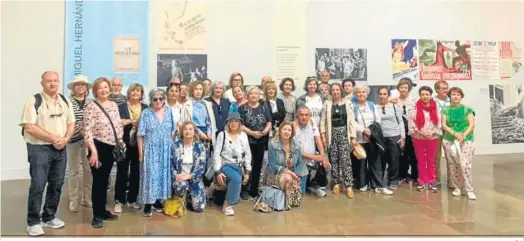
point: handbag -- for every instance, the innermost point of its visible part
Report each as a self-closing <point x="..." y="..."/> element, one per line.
<point x="119" y="152"/>
<point x="175" y="207"/>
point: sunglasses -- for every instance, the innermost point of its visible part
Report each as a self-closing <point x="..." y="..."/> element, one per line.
<point x="383" y="110"/>
<point x="158" y="99"/>
<point x="404" y="108"/>
<point x="174" y="84"/>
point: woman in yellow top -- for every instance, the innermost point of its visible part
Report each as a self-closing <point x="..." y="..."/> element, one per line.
<point x="458" y="122"/>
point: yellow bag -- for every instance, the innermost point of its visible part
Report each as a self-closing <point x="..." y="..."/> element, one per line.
<point x="175" y="207"/>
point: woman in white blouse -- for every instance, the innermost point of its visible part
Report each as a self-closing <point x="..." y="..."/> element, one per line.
<point x="232" y="161"/>
<point x="236" y="79"/>
<point x="366" y="113"/>
<point x="179" y="113"/>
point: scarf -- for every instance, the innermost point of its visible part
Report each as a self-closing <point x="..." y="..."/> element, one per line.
<point x="432" y="109"/>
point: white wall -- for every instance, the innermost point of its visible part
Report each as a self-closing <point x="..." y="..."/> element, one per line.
<point x="32" y="42"/>
<point x="239" y="36"/>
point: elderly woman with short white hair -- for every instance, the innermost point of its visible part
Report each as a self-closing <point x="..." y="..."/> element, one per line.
<point x="367" y="116"/>
<point x="154" y="152"/>
<point x="257" y="118"/>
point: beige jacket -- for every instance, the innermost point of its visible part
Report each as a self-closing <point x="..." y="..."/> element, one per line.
<point x="325" y="120"/>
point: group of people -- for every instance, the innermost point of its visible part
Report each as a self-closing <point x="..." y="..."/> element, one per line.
<point x="200" y="141"/>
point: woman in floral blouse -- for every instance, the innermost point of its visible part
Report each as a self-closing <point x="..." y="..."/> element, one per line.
<point x="188" y="165"/>
<point x="99" y="137"/>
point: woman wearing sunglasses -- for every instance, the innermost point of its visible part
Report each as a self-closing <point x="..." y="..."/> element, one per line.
<point x="154" y="134"/>
<point x="394" y="136"/>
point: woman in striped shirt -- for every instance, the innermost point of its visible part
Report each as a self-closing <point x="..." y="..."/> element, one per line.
<point x="80" y="178"/>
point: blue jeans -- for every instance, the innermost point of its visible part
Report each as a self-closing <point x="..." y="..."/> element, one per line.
<point x="47" y="165"/>
<point x="234" y="183"/>
<point x="303" y="183"/>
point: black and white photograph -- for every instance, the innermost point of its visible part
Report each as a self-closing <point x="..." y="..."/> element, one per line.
<point x="187" y="67"/>
<point x="507" y="113"/>
<point x="342" y="63"/>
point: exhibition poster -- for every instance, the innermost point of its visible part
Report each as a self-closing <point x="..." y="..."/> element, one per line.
<point x="106" y="39"/>
<point x="445" y="60"/>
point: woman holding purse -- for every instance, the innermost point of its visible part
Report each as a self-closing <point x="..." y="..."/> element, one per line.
<point x="128" y="171"/>
<point x="103" y="134"/>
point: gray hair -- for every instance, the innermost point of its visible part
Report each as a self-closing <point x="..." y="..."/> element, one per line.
<point x="217" y="84"/>
<point x="251" y="88"/>
<point x="303" y="107"/>
<point x="156" y="92"/>
<point x="361" y="86"/>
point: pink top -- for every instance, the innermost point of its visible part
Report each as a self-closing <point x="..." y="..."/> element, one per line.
<point x="428" y="125"/>
<point x="98" y="127"/>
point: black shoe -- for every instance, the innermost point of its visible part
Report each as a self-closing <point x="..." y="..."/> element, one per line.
<point x="158" y="206"/>
<point x="108" y="216"/>
<point x="433" y="187"/>
<point x="147" y="210"/>
<point x="421" y="187"/>
<point x="244" y="195"/>
<point x="97" y="223"/>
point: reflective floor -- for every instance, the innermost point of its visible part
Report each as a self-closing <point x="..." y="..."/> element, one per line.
<point x="498" y="210"/>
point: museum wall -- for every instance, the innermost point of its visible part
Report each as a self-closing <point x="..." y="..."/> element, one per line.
<point x="257" y="38"/>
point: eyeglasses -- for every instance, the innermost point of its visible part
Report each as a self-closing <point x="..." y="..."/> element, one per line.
<point x="174" y="84"/>
<point x="56" y="115"/>
<point x="383" y="110"/>
<point x="158" y="99"/>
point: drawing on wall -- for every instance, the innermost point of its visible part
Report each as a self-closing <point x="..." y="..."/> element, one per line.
<point x="444" y="60"/>
<point x="342" y="63"/>
<point x="507" y="113"/>
<point x="187" y="67"/>
<point x="181" y="26"/>
<point x="510" y="59"/>
<point x="485" y="60"/>
<point x="404" y="58"/>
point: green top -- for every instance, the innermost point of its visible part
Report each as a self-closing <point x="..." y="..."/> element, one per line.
<point x="457" y="120"/>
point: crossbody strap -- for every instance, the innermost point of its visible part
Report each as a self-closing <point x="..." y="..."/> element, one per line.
<point x="110" y="121"/>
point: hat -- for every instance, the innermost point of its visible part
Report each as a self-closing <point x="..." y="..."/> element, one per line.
<point x="79" y="79"/>
<point x="234" y="116"/>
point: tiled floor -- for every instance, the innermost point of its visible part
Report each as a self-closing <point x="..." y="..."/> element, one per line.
<point x="499" y="210"/>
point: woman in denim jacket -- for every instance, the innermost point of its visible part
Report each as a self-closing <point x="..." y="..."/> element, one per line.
<point x="189" y="160"/>
<point x="285" y="158"/>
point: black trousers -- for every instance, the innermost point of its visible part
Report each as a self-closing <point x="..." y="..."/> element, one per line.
<point x="257" y="154"/>
<point x="391" y="158"/>
<point x="368" y="171"/>
<point x="407" y="160"/>
<point x="100" y="178"/>
<point x="47" y="165"/>
<point x="125" y="175"/>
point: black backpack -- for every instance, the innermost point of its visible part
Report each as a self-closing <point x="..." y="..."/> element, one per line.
<point x="38" y="103"/>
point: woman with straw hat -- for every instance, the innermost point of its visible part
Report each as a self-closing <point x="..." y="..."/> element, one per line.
<point x="80" y="179"/>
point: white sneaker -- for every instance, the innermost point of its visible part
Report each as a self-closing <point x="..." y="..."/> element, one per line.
<point x="318" y="191"/>
<point x="228" y="211"/>
<point x="384" y="191"/>
<point x="35" y="230"/>
<point x="133" y="205"/>
<point x="118" y="208"/>
<point x="55" y="223"/>
<point x="456" y="192"/>
<point x="471" y="196"/>
<point x="365" y="188"/>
